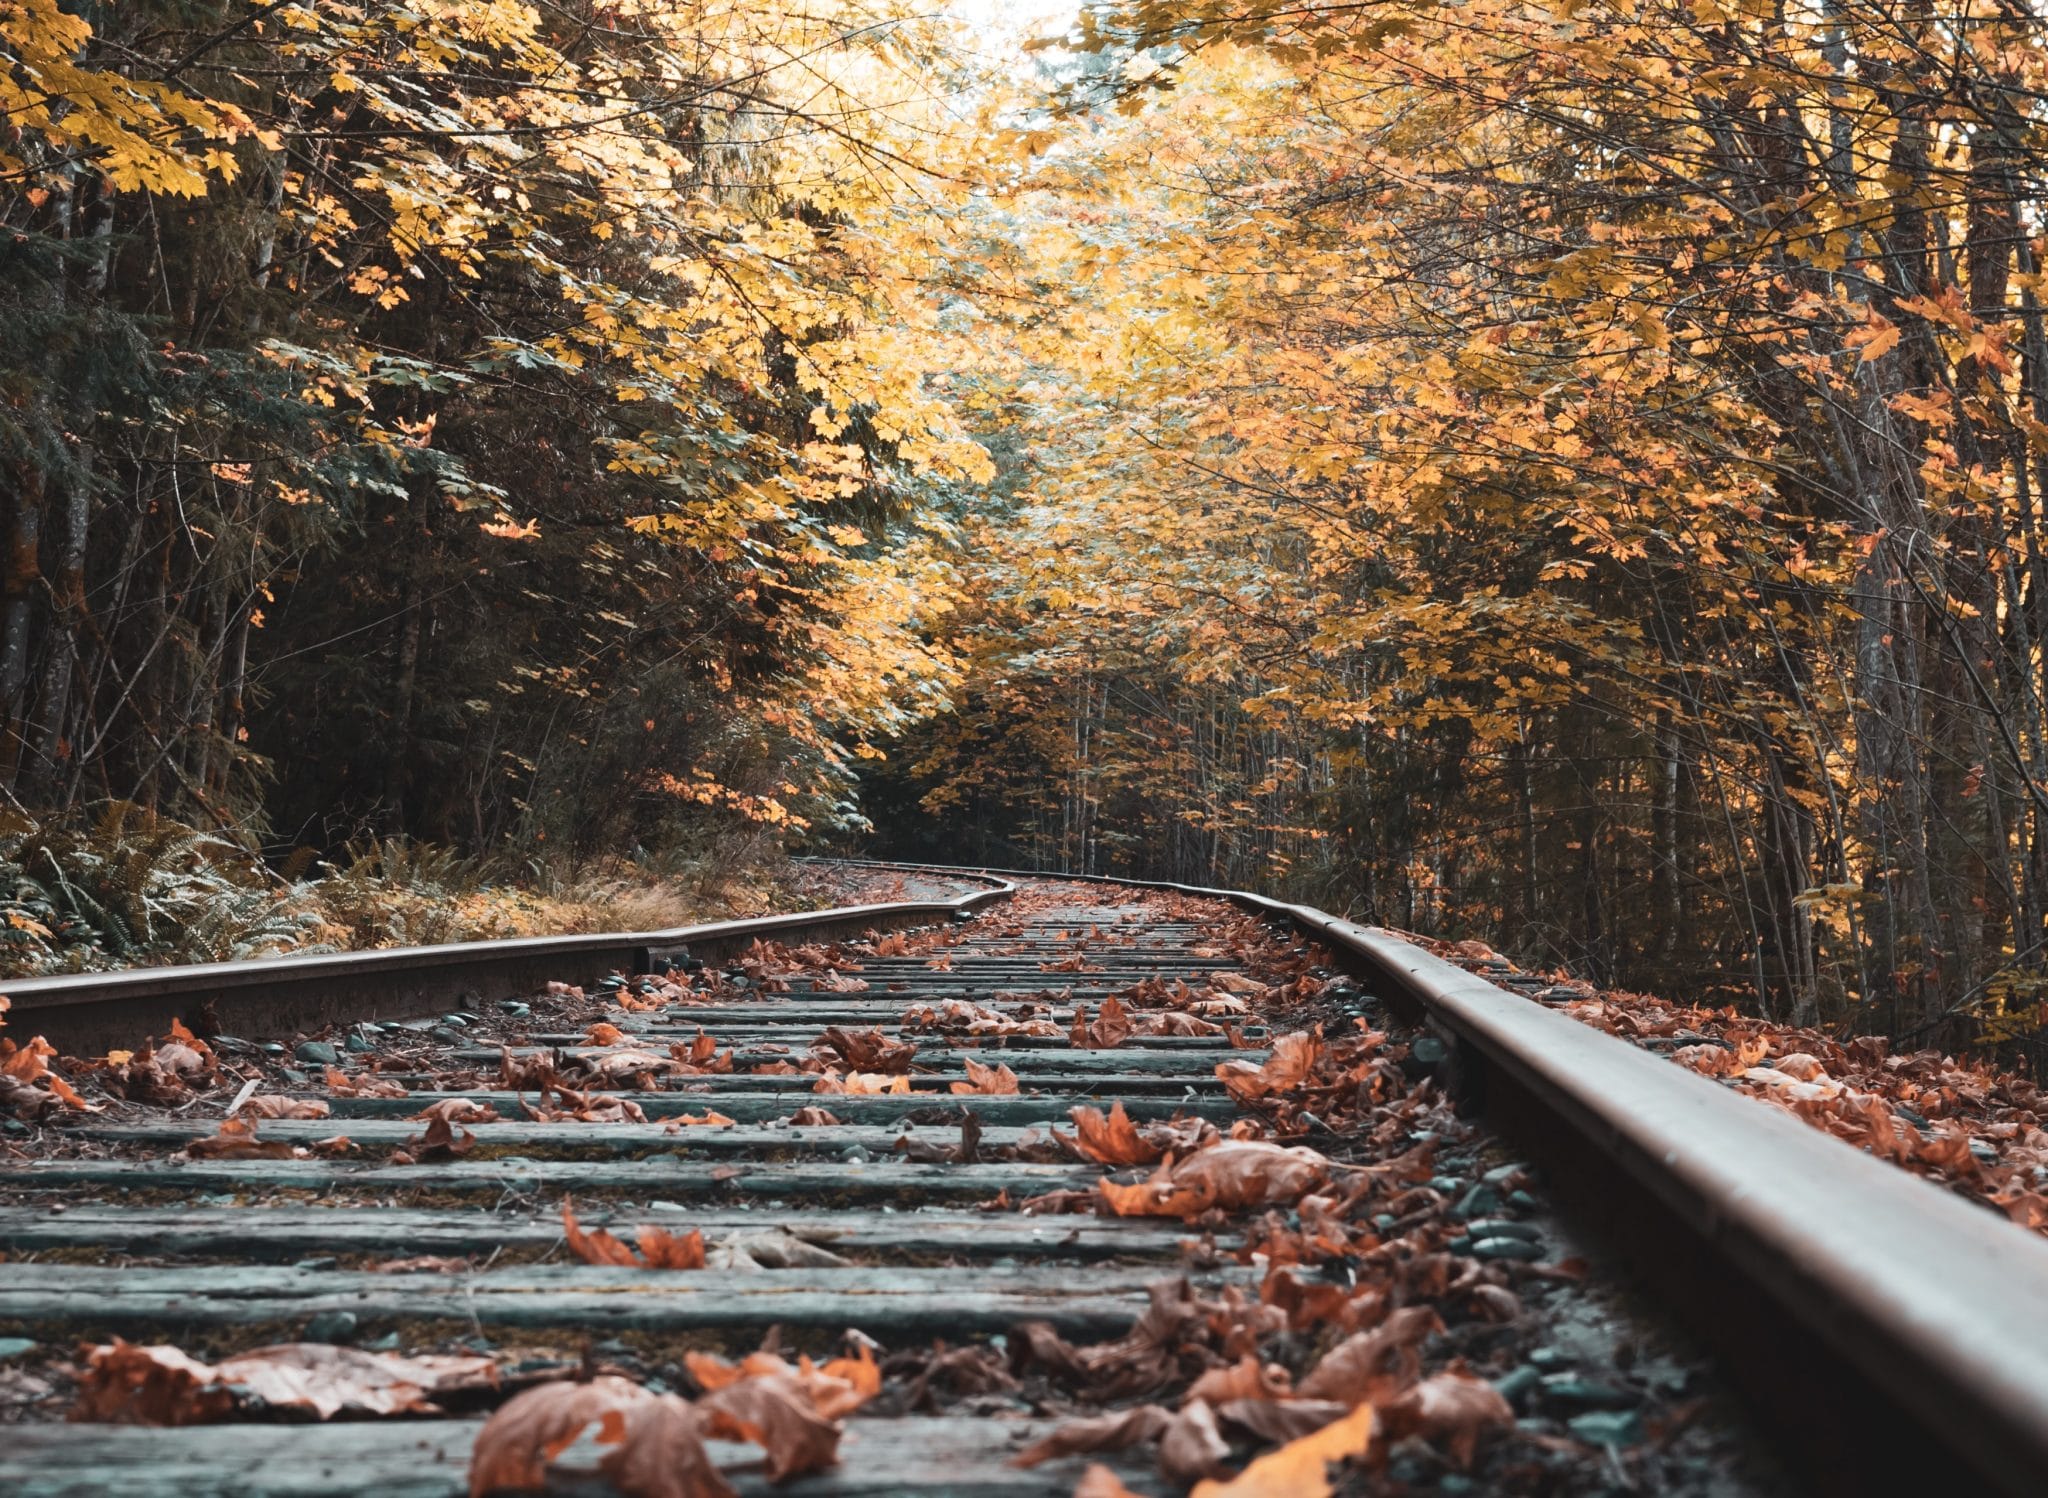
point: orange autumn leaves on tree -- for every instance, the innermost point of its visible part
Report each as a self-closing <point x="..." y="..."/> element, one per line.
<point x="1491" y="525"/>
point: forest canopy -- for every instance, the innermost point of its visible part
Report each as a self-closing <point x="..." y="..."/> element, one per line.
<point x="1563" y="473"/>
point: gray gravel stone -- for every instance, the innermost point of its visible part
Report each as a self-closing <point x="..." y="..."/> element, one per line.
<point x="338" y="1327"/>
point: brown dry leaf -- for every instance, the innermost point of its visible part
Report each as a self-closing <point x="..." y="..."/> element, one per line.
<point x="714" y="1372"/>
<point x="837" y="1388"/>
<point x="1452" y="1409"/>
<point x="1172" y="1023"/>
<point x="341" y="1084"/>
<point x="275" y="1105"/>
<point x="1373" y="1366"/>
<point x="777" y="1413"/>
<point x="700" y="1050"/>
<point x="637" y="1068"/>
<point x="1293" y="1060"/>
<point x="1247" y="1378"/>
<point x="236" y="1140"/>
<point x="459" y="1110"/>
<point x="710" y="1118"/>
<point x="531" y="1429"/>
<point x="659" y="1249"/>
<point x="1282" y="1420"/>
<point x="812" y="1118"/>
<point x="987" y="1081"/>
<point x="855" y="1083"/>
<point x="1233" y="1174"/>
<point x="596" y="1246"/>
<point x="1301" y="1468"/>
<point x="422" y="1264"/>
<point x="1113" y="1026"/>
<point x="441" y="1141"/>
<point x="661" y="1453"/>
<point x="860" y="1373"/>
<point x="604" y="1033"/>
<point x="162" y="1386"/>
<point x="1113" y="1140"/>
<point x="833" y="982"/>
<point x="517" y="1073"/>
<point x="1237" y="983"/>
<point x="664" y="1250"/>
<point x="1078" y="963"/>
<point x="1109" y="1432"/>
<point x="1191" y="1447"/>
<point x="868" y="1050"/>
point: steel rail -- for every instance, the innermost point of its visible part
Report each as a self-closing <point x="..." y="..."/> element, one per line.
<point x="96" y="1011"/>
<point x="1893" y="1332"/>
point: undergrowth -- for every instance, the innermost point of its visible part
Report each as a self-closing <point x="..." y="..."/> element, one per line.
<point x="132" y="888"/>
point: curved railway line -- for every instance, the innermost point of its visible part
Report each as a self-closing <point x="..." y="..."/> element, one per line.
<point x="1888" y="1335"/>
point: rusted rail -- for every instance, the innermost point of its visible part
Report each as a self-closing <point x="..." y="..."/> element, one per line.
<point x="87" y="1012"/>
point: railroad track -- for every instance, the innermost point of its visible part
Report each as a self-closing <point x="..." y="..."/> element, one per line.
<point x="891" y="1236"/>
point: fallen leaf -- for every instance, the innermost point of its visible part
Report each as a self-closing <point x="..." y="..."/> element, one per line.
<point x="1453" y="1409"/>
<point x="658" y="1439"/>
<point x="604" y="1033"/>
<point x="837" y="1388"/>
<point x="1233" y="1174"/>
<point x="1373" y="1366"/>
<point x="709" y="1118"/>
<point x="441" y="1141"/>
<point x="1112" y="1027"/>
<point x="987" y="1081"/>
<point x="1191" y="1447"/>
<point x="1110" y="1432"/>
<point x="1113" y="1140"/>
<point x="1237" y="983"/>
<point x="659" y="1249"/>
<point x="137" y="1385"/>
<point x="777" y="1413"/>
<point x="857" y="1084"/>
<point x="771" y="1248"/>
<point x="1281" y="1420"/>
<point x="1301" y="1468"/>
<point x="422" y="1264"/>
<point x="236" y="1140"/>
<point x="812" y="1118"/>
<point x="274" y="1105"/>
<point x="1247" y="1378"/>
<point x="661" y="1453"/>
<point x="868" y="1050"/>
<point x="1294" y="1058"/>
<point x="458" y="1110"/>
<point x="341" y="1084"/>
